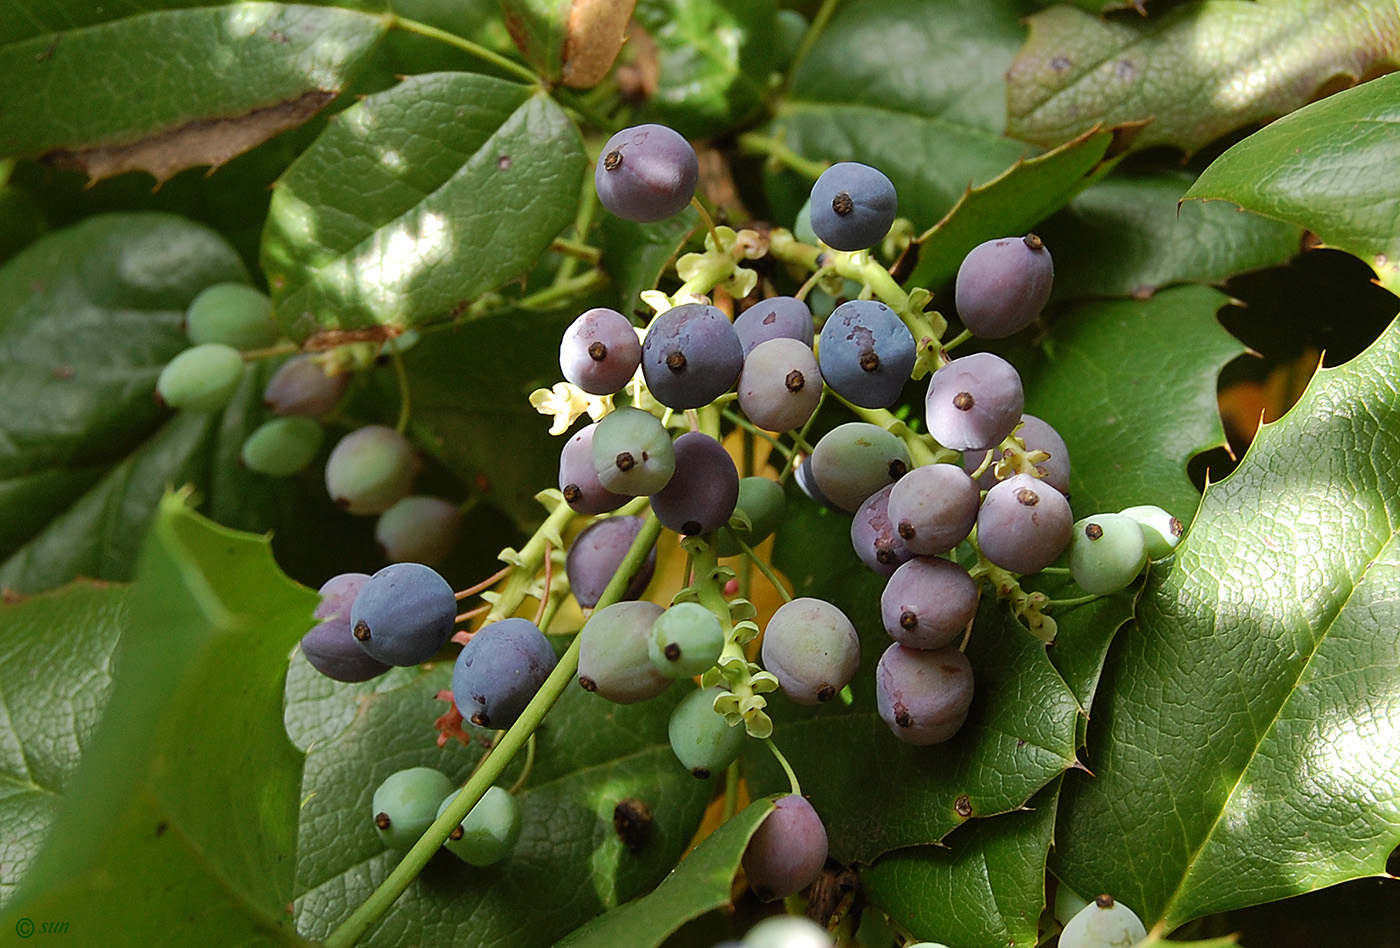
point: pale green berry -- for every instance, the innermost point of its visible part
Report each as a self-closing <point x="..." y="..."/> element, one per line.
<point x="1106" y="552"/>
<point x="406" y="804"/>
<point x="1103" y="923"/>
<point x="1160" y="529"/>
<point x="488" y="832"/>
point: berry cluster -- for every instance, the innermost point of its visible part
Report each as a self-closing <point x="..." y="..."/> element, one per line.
<point x="369" y="471"/>
<point x="978" y="500"/>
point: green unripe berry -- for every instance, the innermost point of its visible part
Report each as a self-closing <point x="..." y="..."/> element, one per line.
<point x="612" y="657"/>
<point x="418" y="529"/>
<point x="632" y="453"/>
<point x="1160" y="529"/>
<point x="1103" y="923"/>
<point x="488" y="832"/>
<point x="702" y="740"/>
<point x="233" y="314"/>
<point x="202" y="378"/>
<point x="763" y="502"/>
<point x="282" y="447"/>
<point x="406" y="804"/>
<point x="1106" y="552"/>
<point x="371" y="469"/>
<point x="685" y="640"/>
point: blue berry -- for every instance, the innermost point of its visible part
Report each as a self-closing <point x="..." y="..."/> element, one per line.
<point x="646" y="173"/>
<point x="404" y="614"/>
<point x="853" y="206"/>
<point x="691" y="356"/>
<point x="600" y="351"/>
<point x="866" y="353"/>
<point x="499" y="671"/>
<point x="788" y="850"/>
<point x="974" y="402"/>
<point x="1003" y="285"/>
<point x="330" y="646"/>
<point x="597" y="553"/>
<point x="702" y="493"/>
<point x="778" y="317"/>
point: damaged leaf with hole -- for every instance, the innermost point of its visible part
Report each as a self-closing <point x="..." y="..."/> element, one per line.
<point x="169" y="89"/>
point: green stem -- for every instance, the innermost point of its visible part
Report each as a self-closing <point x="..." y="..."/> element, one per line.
<point x="765" y="569"/>
<point x="526" y="767"/>
<point x="500" y="756"/>
<point x="919" y="451"/>
<point x="402" y="374"/>
<point x="780" y="154"/>
<point x="552" y="296"/>
<point x="958" y="340"/>
<point x="576" y="250"/>
<point x="705" y="216"/>
<point x="524" y="73"/>
<point x="252" y="355"/>
<point x="583" y="223"/>
<point x="751" y="429"/>
<point x="809" y="39"/>
<point x="787" y="768"/>
<point x="530" y="557"/>
<point x="1065" y="603"/>
<point x="731" y="790"/>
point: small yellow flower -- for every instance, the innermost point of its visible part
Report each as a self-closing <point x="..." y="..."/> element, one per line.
<point x="565" y="402"/>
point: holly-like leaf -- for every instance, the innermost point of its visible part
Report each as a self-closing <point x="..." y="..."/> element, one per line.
<point x="701" y="883"/>
<point x="1130" y="235"/>
<point x="88" y="315"/>
<point x="1195" y="72"/>
<point x="52" y="691"/>
<point x="1019" y="734"/>
<point x="1330" y="167"/>
<point x="158" y="832"/>
<point x="916" y="88"/>
<point x="418" y="200"/>
<point x="1245" y="733"/>
<point x="984" y="888"/>
<point x="590" y="756"/>
<point x="1130" y="385"/>
<point x="1008" y="205"/>
<point x="244" y="72"/>
<point x="714" y="60"/>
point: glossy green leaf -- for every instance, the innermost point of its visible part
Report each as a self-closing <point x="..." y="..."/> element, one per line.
<point x="52" y="691"/>
<point x="88" y="315"/>
<point x="916" y="88"/>
<point x="469" y="399"/>
<point x="983" y="888"/>
<point x="1018" y="737"/>
<point x="701" y="883"/>
<point x="1131" y="387"/>
<point x="1330" y="167"/>
<point x="21" y="219"/>
<point x="590" y="755"/>
<point x="539" y="28"/>
<point x="418" y="200"/>
<point x="157" y="832"/>
<point x="1246" y="730"/>
<point x="245" y="72"/>
<point x="1129" y="235"/>
<point x="714" y="60"/>
<point x="636" y="255"/>
<point x="1008" y="205"/>
<point x="1196" y="71"/>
